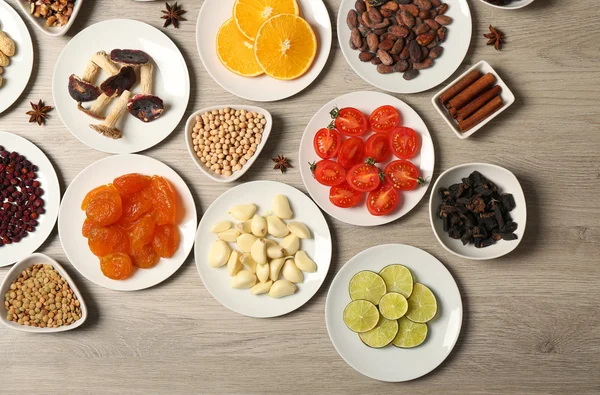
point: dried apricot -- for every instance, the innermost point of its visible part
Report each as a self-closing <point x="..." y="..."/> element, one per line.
<point x="88" y="226"/>
<point x="142" y="232"/>
<point x="166" y="240"/>
<point x="134" y="206"/>
<point x="144" y="256"/>
<point x="117" y="266"/>
<point x="131" y="183"/>
<point x="105" y="208"/>
<point x="104" y="241"/>
<point x="92" y="194"/>
<point x="164" y="199"/>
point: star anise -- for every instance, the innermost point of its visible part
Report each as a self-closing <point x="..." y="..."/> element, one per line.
<point x="173" y="14"/>
<point x="495" y="37"/>
<point x="39" y="112"/>
<point x="281" y="163"/>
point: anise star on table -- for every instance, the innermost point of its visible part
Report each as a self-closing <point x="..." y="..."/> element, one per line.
<point x="173" y="14"/>
<point x="281" y="163"/>
<point x="495" y="37"/>
<point x="39" y="113"/>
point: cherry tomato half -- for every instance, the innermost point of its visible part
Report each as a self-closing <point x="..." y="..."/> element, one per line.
<point x="328" y="172"/>
<point x="404" y="142"/>
<point x="377" y="147"/>
<point x="364" y="177"/>
<point x="327" y="143"/>
<point x="352" y="152"/>
<point x="350" y="121"/>
<point x="383" y="200"/>
<point x="384" y="119"/>
<point x="344" y="196"/>
<point x="403" y="175"/>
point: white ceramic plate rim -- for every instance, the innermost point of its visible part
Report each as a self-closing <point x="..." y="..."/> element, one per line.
<point x="209" y="173"/>
<point x="481" y="166"/>
<point x="12" y="275"/>
<point x="516" y="6"/>
<point x="40" y="23"/>
<point x="51" y="187"/>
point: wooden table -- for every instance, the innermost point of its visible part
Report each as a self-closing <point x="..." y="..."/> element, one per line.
<point x="532" y="322"/>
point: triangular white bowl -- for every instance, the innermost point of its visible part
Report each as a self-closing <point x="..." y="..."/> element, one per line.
<point x="13" y="274"/>
<point x="40" y="23"/>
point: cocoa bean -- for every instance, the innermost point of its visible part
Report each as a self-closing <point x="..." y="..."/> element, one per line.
<point x="407" y="18"/>
<point x="436" y="52"/>
<point x="432" y="44"/>
<point x="443" y="19"/>
<point x="418" y="22"/>
<point x="414" y="51"/>
<point x="363" y="31"/>
<point x="375" y="15"/>
<point x="352" y="19"/>
<point x="442" y="32"/>
<point x="383" y="24"/>
<point x="399" y="30"/>
<point x="411" y="8"/>
<point x="432" y="24"/>
<point x="435" y="3"/>
<point x="379" y="32"/>
<point x="387" y="36"/>
<point x="366" y="20"/>
<point x="398" y="46"/>
<point x="352" y="46"/>
<point x="404" y="53"/>
<point x="365" y="56"/>
<point x="396" y="58"/>
<point x="424" y="28"/>
<point x="442" y="9"/>
<point x="423" y="4"/>
<point x="386" y="45"/>
<point x="390" y="5"/>
<point x="424" y="14"/>
<point x="427" y="63"/>
<point x="404" y="1"/>
<point x="375" y="60"/>
<point x="385" y="69"/>
<point x="364" y="47"/>
<point x="401" y="66"/>
<point x="356" y="38"/>
<point x="410" y="74"/>
<point x="372" y="41"/>
<point x="425" y="38"/>
<point x="385" y="57"/>
<point x="411" y="36"/>
<point x="386" y="13"/>
<point x="433" y="13"/>
<point x="360" y="6"/>
<point x="425" y="53"/>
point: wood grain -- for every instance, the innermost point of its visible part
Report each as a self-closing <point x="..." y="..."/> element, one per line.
<point x="532" y="322"/>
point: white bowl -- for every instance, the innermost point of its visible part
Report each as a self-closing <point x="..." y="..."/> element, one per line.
<point x="514" y="5"/>
<point x="189" y="126"/>
<point x="507" y="97"/>
<point x="507" y="183"/>
<point x="40" y="23"/>
<point x="13" y="274"/>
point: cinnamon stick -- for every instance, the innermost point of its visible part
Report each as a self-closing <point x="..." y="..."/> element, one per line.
<point x="477" y="103"/>
<point x="460" y="86"/>
<point x="464" y="97"/>
<point x="483" y="113"/>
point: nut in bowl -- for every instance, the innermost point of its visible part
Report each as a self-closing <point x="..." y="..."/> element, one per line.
<point x="224" y="141"/>
<point x="53" y="17"/>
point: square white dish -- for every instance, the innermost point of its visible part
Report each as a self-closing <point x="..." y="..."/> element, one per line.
<point x="507" y="97"/>
<point x="13" y="274"/>
<point x="40" y="23"/>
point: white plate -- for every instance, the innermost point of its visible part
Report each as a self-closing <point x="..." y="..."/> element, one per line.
<point x="391" y="363"/>
<point x="262" y="88"/>
<point x="17" y="73"/>
<point x="189" y="127"/>
<point x="261" y="193"/>
<point x="366" y="102"/>
<point x="11" y="253"/>
<point x="506" y="182"/>
<point x="507" y="97"/>
<point x="171" y="83"/>
<point x="71" y="220"/>
<point x="13" y="274"/>
<point x="455" y="50"/>
<point x="514" y="5"/>
<point x="40" y="23"/>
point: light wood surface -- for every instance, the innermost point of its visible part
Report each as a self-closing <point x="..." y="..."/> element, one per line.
<point x="532" y="321"/>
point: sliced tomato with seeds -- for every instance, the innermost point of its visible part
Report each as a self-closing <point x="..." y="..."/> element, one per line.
<point x="383" y="200"/>
<point x="352" y="152"/>
<point x="328" y="172"/>
<point x="350" y="121"/>
<point x="344" y="196"/>
<point x="403" y="175"/>
<point x="327" y="143"/>
<point x="377" y="147"/>
<point x="404" y="142"/>
<point x="384" y="119"/>
<point x="364" y="177"/>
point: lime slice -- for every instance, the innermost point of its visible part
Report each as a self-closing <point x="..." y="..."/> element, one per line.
<point x="410" y="334"/>
<point x="361" y="316"/>
<point x="422" y="305"/>
<point x="382" y="335"/>
<point x="398" y="279"/>
<point x="367" y="285"/>
<point x="393" y="306"/>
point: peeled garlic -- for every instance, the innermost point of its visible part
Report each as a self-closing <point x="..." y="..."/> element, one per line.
<point x="282" y="288"/>
<point x="248" y="262"/>
<point x="290" y="244"/>
<point x="291" y="272"/>
<point x="234" y="265"/>
<point x="304" y="263"/>
<point x="276" y="227"/>
<point x="281" y="207"/>
<point x="244" y="227"/>
<point x="261" y="288"/>
<point x="218" y="253"/>
<point x="230" y="235"/>
<point x="245" y="241"/>
<point x="275" y="267"/>
<point x="259" y="226"/>
<point x="221" y="227"/>
<point x="259" y="251"/>
<point x="262" y="272"/>
<point x="243" y="211"/>
<point x="299" y="229"/>
<point x="244" y="279"/>
<point x="273" y="250"/>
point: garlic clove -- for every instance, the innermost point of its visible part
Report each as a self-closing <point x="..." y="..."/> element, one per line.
<point x="304" y="263"/>
<point x="274" y="250"/>
<point x="259" y="251"/>
<point x="221" y="227"/>
<point x="281" y="288"/>
<point x="248" y="263"/>
<point x="276" y="227"/>
<point x="244" y="279"/>
<point x="290" y="244"/>
<point x="243" y="212"/>
<point x="299" y="229"/>
<point x="234" y="264"/>
<point x="245" y="241"/>
<point x="262" y="272"/>
<point x="230" y="235"/>
<point x="218" y="254"/>
<point x="258" y="226"/>
<point x="281" y="207"/>
<point x="245" y="226"/>
<point x="275" y="267"/>
<point x="291" y="272"/>
<point x="261" y="288"/>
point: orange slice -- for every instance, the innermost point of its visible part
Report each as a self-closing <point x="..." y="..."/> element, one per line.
<point x="236" y="52"/>
<point x="285" y="46"/>
<point x="249" y="15"/>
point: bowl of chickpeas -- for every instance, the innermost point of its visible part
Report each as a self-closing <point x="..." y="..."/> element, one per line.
<point x="224" y="141"/>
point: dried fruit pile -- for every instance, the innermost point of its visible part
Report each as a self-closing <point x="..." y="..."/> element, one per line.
<point x="131" y="223"/>
<point x="20" y="197"/>
<point x="399" y="36"/>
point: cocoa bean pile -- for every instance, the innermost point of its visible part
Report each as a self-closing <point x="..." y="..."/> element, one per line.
<point x="402" y="36"/>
